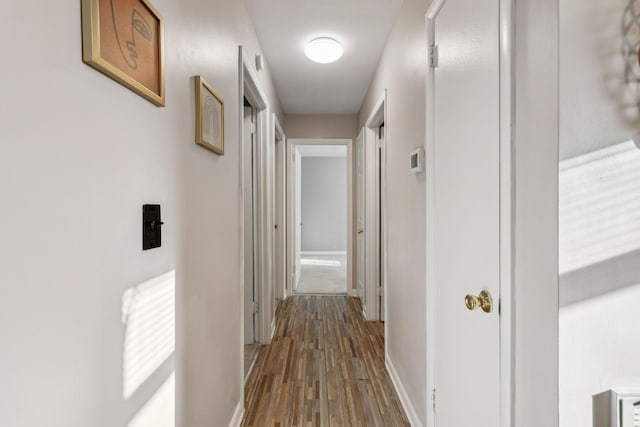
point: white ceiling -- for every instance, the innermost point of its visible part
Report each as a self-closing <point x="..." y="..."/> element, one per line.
<point x="304" y="87"/>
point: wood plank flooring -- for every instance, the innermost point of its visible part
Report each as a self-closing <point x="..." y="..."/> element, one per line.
<point x="324" y="367"/>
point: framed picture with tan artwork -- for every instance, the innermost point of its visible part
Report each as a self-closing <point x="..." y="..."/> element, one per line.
<point x="123" y="39"/>
<point x="209" y="117"/>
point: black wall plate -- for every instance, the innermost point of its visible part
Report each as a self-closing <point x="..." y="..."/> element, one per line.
<point x="151" y="227"/>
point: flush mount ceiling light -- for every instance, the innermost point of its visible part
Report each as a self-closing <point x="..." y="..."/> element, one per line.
<point x="323" y="50"/>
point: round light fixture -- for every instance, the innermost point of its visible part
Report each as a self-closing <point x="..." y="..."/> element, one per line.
<point x="323" y="50"/>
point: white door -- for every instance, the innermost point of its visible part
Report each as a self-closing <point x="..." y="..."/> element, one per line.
<point x="381" y="222"/>
<point x="466" y="222"/>
<point x="297" y="214"/>
<point x="279" y="227"/>
<point x="249" y="227"/>
<point x="360" y="207"/>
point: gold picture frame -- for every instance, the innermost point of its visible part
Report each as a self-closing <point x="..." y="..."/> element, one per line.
<point x="124" y="39"/>
<point x="209" y="117"/>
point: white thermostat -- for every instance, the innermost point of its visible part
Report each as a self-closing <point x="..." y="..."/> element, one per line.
<point x="417" y="160"/>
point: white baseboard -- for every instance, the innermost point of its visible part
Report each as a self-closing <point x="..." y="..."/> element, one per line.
<point x="409" y="410"/>
<point x="273" y="328"/>
<point x="322" y="253"/>
<point x="236" y="420"/>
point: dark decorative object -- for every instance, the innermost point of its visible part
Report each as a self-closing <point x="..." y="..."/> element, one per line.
<point x="151" y="227"/>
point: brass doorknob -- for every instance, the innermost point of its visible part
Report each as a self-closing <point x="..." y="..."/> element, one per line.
<point x="360" y="231"/>
<point x="482" y="301"/>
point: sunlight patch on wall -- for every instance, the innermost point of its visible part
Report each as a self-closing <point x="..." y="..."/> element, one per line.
<point x="599" y="206"/>
<point x="148" y="313"/>
<point x="320" y="262"/>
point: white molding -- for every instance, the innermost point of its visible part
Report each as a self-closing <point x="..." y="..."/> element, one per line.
<point x="241" y="205"/>
<point x="323" y="253"/>
<point x="350" y="209"/>
<point x="292" y="142"/>
<point x="507" y="213"/>
<point x="278" y="129"/>
<point x="353" y="293"/>
<point x="273" y="328"/>
<point x="280" y="212"/>
<point x="409" y="410"/>
<point x="236" y="419"/>
<point x="249" y="87"/>
<point x="374" y="197"/>
<point x="430" y="212"/>
<point x="359" y="201"/>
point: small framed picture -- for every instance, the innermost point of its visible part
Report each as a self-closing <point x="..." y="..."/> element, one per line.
<point x="124" y="41"/>
<point x="209" y="117"/>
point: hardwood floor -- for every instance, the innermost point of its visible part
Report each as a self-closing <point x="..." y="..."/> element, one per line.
<point x="324" y="367"/>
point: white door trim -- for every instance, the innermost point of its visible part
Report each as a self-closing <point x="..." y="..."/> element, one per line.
<point x="375" y="197"/>
<point x="506" y="304"/>
<point x="280" y="211"/>
<point x="292" y="142"/>
<point x="359" y="220"/>
<point x="250" y="88"/>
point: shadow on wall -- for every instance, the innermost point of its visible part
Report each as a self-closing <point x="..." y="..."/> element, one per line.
<point x="148" y="380"/>
<point x="599" y="222"/>
<point x="599" y="277"/>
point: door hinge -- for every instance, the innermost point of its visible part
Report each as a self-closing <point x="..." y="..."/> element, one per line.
<point x="433" y="56"/>
<point x="256" y="308"/>
<point x="379" y="290"/>
<point x="433" y="399"/>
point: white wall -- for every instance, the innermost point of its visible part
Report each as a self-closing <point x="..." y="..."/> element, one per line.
<point x="402" y="71"/>
<point x="599" y="249"/>
<point x="535" y="214"/>
<point x="324" y="203"/>
<point x="319" y="126"/>
<point x="79" y="155"/>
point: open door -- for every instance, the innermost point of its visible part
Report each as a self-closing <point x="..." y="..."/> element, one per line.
<point x="280" y="191"/>
<point x="360" y="209"/>
<point x="297" y="214"/>
<point x="381" y="222"/>
<point x="250" y="294"/>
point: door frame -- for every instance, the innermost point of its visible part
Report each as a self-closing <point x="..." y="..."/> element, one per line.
<point x="357" y="202"/>
<point x="506" y="129"/>
<point x="292" y="142"/>
<point x="280" y="211"/>
<point x="375" y="206"/>
<point x="290" y="280"/>
<point x="250" y="88"/>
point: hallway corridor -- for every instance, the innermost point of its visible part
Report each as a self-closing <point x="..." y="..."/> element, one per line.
<point x="324" y="367"/>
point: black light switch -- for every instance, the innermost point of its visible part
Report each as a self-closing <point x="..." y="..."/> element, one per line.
<point x="151" y="227"/>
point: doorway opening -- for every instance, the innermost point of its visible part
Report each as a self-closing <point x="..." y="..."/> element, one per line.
<point x="250" y="175"/>
<point x="371" y="213"/>
<point x="256" y="172"/>
<point x="320" y="210"/>
<point x="280" y="291"/>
